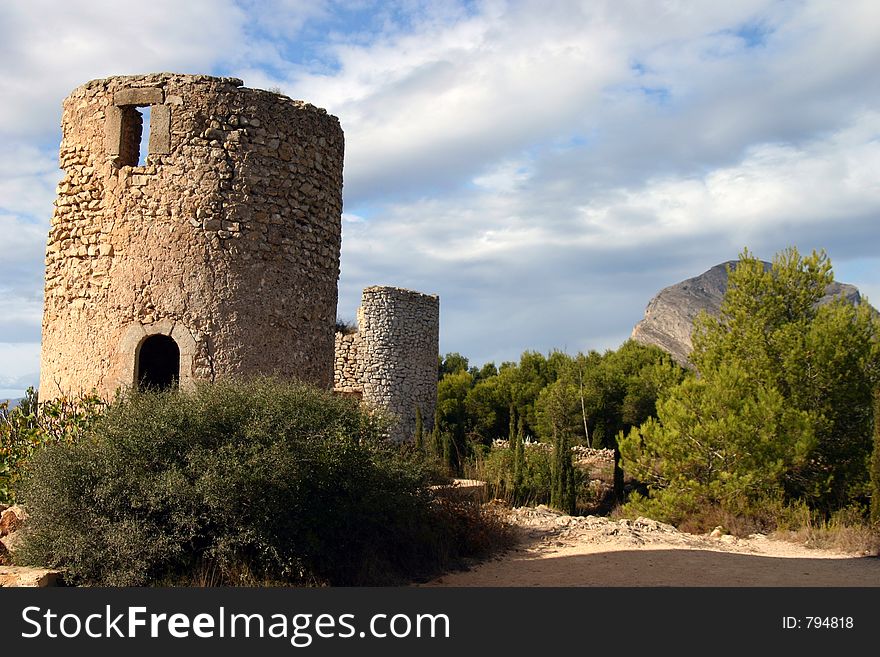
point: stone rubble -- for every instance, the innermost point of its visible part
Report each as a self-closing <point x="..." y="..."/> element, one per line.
<point x="12" y="519"/>
<point x="552" y="529"/>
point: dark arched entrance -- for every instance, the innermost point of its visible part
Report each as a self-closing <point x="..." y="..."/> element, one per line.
<point x="158" y="365"/>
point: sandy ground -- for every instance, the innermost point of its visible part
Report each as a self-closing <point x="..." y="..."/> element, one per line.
<point x="557" y="550"/>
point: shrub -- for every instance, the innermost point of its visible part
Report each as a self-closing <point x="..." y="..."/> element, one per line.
<point x="31" y="424"/>
<point x="846" y="531"/>
<point x="346" y="327"/>
<point x="531" y="482"/>
<point x="255" y="483"/>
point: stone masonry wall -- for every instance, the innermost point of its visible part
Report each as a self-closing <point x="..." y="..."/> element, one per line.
<point x="392" y="359"/>
<point x="227" y="238"/>
<point x="348" y="370"/>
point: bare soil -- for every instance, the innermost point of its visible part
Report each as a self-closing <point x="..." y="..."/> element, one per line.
<point x="559" y="550"/>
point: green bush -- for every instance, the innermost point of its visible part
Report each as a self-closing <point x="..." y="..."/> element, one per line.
<point x="255" y="483"/>
<point x="31" y="424"/>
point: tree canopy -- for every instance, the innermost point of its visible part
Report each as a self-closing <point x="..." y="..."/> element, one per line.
<point x="589" y="397"/>
<point x="782" y="406"/>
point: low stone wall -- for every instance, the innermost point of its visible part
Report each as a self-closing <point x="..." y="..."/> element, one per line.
<point x="597" y="463"/>
<point x="472" y="490"/>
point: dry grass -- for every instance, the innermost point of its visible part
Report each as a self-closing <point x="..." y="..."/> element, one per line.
<point x="208" y="574"/>
<point x="846" y="531"/>
<point x="834" y="535"/>
<point x="740" y="526"/>
<point x="481" y="530"/>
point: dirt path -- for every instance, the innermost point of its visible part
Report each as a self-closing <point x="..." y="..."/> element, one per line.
<point x="589" y="551"/>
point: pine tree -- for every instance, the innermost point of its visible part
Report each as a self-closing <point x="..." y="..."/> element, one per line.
<point x="782" y="407"/>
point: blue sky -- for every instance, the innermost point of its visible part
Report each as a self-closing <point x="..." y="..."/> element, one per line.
<point x="544" y="167"/>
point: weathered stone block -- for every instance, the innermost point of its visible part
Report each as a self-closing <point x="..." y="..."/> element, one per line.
<point x="160" y="130"/>
<point x="139" y="96"/>
<point x="112" y="129"/>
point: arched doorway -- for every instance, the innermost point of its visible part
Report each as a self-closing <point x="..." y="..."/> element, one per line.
<point x="158" y="363"/>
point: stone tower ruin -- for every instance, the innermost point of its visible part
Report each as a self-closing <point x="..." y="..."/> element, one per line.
<point x="391" y="361"/>
<point x="213" y="254"/>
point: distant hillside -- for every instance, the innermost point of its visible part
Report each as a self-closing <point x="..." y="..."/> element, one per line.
<point x="669" y="317"/>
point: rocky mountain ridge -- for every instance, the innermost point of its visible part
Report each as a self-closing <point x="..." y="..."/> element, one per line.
<point x="669" y="317"/>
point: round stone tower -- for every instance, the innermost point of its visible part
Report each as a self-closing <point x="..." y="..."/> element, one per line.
<point x="210" y="251"/>
<point x="399" y="346"/>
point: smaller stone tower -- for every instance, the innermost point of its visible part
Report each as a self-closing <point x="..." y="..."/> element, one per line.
<point x="391" y="362"/>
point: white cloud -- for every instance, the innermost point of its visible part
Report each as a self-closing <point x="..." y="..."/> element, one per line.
<point x="546" y="271"/>
<point x="545" y="167"/>
<point x="23" y="244"/>
<point x="28" y="176"/>
<point x="426" y="111"/>
<point x="506" y="176"/>
<point x="18" y="368"/>
<point x="49" y="48"/>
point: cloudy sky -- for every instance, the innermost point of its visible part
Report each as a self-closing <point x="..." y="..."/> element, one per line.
<point x="545" y="167"/>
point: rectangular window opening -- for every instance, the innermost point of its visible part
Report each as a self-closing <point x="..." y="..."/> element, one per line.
<point x="144" y="148"/>
<point x="131" y="128"/>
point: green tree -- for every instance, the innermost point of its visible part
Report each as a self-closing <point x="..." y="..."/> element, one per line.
<point x="558" y="409"/>
<point x="451" y="416"/>
<point x="523" y="383"/>
<point x="511" y="426"/>
<point x="721" y="440"/>
<point x="452" y="363"/>
<point x="822" y="359"/>
<point x="435" y="442"/>
<point x="596" y="396"/>
<point x="779" y="374"/>
<point x="488" y="408"/>
<point x="519" y="466"/>
<point x="485" y="372"/>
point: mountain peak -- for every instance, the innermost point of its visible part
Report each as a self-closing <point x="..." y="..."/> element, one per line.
<point x="669" y="317"/>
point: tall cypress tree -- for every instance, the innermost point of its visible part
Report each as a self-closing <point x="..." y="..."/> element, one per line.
<point x="511" y="428"/>
<point x="875" y="463"/>
<point x="562" y="486"/>
<point x="447" y="452"/>
<point x="519" y="466"/>
<point x="435" y="447"/>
